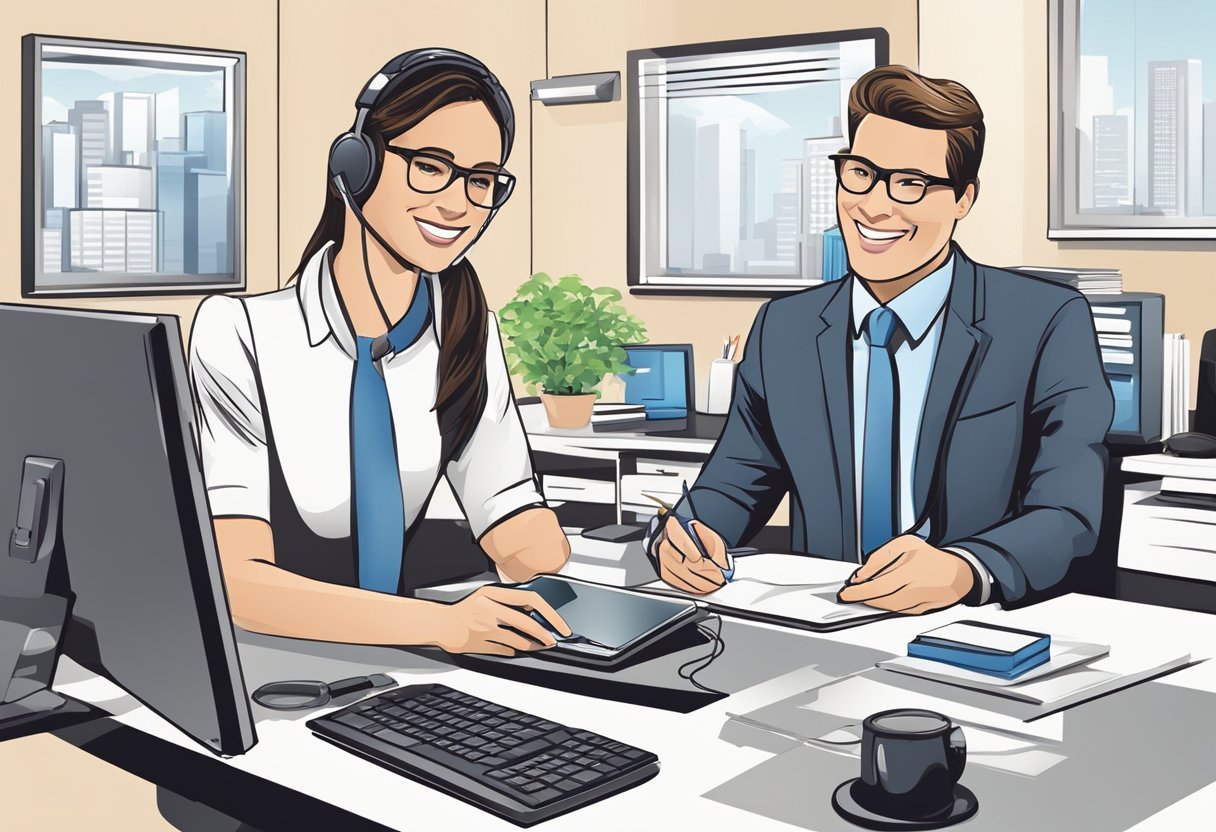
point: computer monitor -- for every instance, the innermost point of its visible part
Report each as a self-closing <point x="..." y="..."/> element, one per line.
<point x="662" y="379"/>
<point x="107" y="394"/>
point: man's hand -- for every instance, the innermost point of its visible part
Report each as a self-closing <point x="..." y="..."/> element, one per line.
<point x="908" y="575"/>
<point x="681" y="565"/>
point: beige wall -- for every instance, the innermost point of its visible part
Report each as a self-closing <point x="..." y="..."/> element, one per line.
<point x="999" y="50"/>
<point x="326" y="60"/>
<point x="239" y="25"/>
<point x="573" y="233"/>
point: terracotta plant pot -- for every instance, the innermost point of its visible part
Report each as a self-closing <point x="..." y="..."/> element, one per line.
<point x="568" y="411"/>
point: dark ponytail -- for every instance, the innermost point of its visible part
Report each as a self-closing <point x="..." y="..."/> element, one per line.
<point x="461" y="394"/>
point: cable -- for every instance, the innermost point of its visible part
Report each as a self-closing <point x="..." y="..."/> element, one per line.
<point x="703" y="662"/>
<point x="371" y="284"/>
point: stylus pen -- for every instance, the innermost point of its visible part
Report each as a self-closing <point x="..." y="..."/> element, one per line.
<point x="686" y="525"/>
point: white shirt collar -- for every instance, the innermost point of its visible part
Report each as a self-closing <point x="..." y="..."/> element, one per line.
<point x="322" y="310"/>
<point x="917" y="307"/>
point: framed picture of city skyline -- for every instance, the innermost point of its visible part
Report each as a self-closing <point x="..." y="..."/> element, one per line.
<point x="133" y="168"/>
<point x="1132" y="119"/>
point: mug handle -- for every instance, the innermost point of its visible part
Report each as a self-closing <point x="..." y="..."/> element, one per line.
<point x="957" y="752"/>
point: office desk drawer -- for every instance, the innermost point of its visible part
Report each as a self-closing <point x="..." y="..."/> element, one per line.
<point x="635" y="487"/>
<point x="1166" y="539"/>
<point x="577" y="489"/>
<point x="678" y="471"/>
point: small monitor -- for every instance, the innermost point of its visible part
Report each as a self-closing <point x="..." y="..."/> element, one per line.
<point x="107" y="394"/>
<point x="662" y="380"/>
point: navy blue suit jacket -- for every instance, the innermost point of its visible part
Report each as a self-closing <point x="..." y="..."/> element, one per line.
<point x="1010" y="460"/>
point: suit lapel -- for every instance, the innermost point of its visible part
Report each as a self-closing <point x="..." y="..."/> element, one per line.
<point x="959" y="353"/>
<point x="834" y="364"/>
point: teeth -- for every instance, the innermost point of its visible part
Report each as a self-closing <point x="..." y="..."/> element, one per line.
<point x="442" y="233"/>
<point x="876" y="234"/>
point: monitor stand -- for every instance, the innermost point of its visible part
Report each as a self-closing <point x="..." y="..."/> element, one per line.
<point x="34" y="599"/>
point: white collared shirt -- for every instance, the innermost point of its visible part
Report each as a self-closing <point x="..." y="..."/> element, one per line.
<point x="276" y="370"/>
<point x="920" y="310"/>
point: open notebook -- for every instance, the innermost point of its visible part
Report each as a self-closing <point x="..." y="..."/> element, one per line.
<point x="793" y="590"/>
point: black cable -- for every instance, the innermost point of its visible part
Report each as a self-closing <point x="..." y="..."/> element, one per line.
<point x="703" y="662"/>
<point x="371" y="284"/>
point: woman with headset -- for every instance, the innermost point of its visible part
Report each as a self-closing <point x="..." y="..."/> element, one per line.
<point x="329" y="409"/>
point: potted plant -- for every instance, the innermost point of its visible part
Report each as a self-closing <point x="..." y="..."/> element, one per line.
<point x="564" y="337"/>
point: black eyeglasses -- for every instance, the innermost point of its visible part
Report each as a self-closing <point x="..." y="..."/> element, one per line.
<point x="430" y="174"/>
<point x="858" y="175"/>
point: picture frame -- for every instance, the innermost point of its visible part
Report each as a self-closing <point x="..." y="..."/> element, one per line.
<point x="133" y="168"/>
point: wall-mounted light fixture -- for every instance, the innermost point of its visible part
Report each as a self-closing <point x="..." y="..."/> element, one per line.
<point x="578" y="89"/>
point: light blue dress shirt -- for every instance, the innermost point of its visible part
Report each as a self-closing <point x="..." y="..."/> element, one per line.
<point x="921" y="311"/>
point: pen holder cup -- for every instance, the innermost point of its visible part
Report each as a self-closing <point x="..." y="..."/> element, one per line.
<point x="721" y="385"/>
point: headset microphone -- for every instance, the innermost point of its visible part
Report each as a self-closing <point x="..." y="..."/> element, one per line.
<point x="355" y="166"/>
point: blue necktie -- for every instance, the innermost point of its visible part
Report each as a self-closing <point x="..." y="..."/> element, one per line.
<point x="878" y="462"/>
<point x="379" y="509"/>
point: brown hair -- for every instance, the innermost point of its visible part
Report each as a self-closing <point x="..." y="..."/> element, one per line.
<point x="898" y="93"/>
<point x="462" y="394"/>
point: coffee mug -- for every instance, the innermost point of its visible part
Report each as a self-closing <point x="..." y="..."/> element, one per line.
<point x="911" y="760"/>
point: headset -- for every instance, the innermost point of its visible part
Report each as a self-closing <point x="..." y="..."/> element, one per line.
<point x="355" y="164"/>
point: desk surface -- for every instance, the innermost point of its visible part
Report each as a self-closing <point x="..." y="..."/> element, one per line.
<point x="1160" y="777"/>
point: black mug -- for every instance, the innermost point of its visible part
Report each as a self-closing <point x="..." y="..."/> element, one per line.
<point x="911" y="760"/>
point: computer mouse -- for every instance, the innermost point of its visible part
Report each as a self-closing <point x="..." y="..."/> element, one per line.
<point x="1195" y="445"/>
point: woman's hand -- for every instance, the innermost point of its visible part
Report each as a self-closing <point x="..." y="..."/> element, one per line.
<point x="495" y="620"/>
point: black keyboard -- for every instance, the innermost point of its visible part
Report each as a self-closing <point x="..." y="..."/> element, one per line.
<point x="517" y="765"/>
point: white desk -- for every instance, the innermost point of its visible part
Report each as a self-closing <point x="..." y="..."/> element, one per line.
<point x="703" y="774"/>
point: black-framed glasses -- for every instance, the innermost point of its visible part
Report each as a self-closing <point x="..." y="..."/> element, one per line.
<point x="430" y="174"/>
<point x="858" y="175"/>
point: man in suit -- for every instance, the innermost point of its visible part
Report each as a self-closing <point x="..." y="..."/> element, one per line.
<point x="938" y="421"/>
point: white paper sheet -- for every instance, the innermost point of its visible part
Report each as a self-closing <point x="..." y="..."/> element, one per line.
<point x="794" y="587"/>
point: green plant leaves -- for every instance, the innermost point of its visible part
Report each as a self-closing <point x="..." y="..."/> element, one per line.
<point x="564" y="336"/>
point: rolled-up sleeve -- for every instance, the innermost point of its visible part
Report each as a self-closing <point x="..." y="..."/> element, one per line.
<point x="231" y="425"/>
<point x="493" y="477"/>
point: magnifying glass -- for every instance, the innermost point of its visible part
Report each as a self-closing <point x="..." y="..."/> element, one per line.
<point x="302" y="694"/>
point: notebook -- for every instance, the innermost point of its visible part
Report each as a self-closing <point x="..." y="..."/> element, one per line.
<point x="791" y="590"/>
<point x="999" y="651"/>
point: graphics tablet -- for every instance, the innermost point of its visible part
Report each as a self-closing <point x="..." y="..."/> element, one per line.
<point x="609" y="624"/>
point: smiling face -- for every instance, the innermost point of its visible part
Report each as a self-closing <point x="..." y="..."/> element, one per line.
<point x="887" y="240"/>
<point x="431" y="229"/>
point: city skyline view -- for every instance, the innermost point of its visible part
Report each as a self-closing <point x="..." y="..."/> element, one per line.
<point x="748" y="187"/>
<point x="1146" y="109"/>
<point x="136" y="167"/>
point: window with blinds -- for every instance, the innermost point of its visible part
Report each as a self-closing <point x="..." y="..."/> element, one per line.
<point x="730" y="185"/>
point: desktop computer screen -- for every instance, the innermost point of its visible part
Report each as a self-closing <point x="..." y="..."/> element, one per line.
<point x="662" y="379"/>
<point x="107" y="394"/>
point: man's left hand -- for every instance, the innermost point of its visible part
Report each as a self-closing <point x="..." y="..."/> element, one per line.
<point x="908" y="575"/>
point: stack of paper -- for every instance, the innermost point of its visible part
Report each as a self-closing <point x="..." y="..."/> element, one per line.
<point x="1063" y="654"/>
<point x="1092" y="281"/>
<point x="1175" y="385"/>
<point x="618" y="416"/>
<point x="1083" y="672"/>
